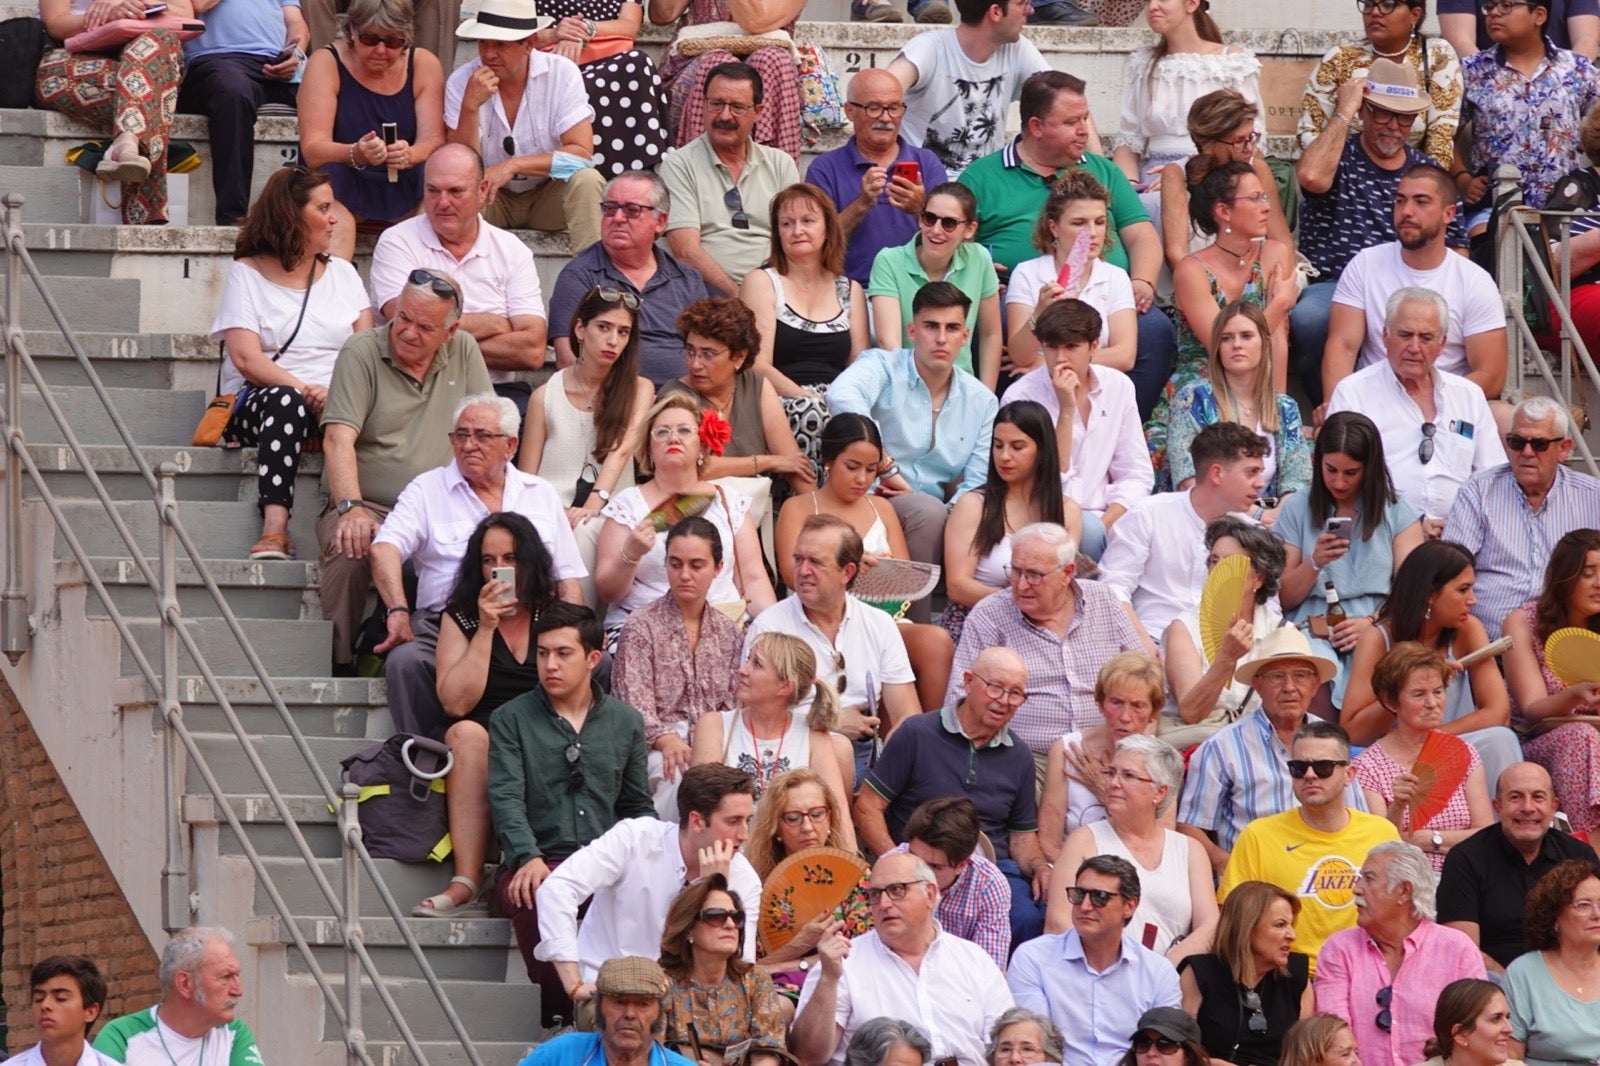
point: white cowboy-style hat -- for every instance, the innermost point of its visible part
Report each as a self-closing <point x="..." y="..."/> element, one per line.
<point x="1285" y="644"/>
<point x="503" y="20"/>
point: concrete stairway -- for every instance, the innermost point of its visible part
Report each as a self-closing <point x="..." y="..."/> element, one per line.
<point x="158" y="381"/>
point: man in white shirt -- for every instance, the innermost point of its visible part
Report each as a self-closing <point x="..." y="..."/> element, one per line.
<point x="1473" y="344"/>
<point x="1109" y="469"/>
<point x="906" y="967"/>
<point x="194" y="1023"/>
<point x="1156" y="557"/>
<point x="432" y="524"/>
<point x="527" y="113"/>
<point x="632" y="873"/>
<point x="502" y="306"/>
<point x="1436" y="427"/>
<point x="869" y="665"/>
<point x="68" y="994"/>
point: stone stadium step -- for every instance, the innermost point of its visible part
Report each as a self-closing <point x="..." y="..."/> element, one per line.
<point x="127" y="360"/>
<point x="409" y="882"/>
<point x="284" y="646"/>
<point x="283" y="760"/>
<point x="253" y="589"/>
<point x="167" y="417"/>
<point x="216" y="474"/>
<point x="354" y="710"/>
<point x="220" y="530"/>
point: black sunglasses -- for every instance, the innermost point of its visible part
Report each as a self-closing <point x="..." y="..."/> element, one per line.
<point x="1385" y="1020"/>
<point x="629" y="211"/>
<point x="509" y="144"/>
<point x="574" y="771"/>
<point x="1258" y="1017"/>
<point x="1322" y="767"/>
<point x="1425" y="449"/>
<point x="1097" y="897"/>
<point x="735" y="203"/>
<point x="1145" y="1041"/>
<point x="441" y="286"/>
<point x="1539" y="444"/>
<point x="718" y="915"/>
<point x="944" y="222"/>
<point x="373" y="40"/>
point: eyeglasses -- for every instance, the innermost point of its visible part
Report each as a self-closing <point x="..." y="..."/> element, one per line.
<point x="1384" y="1020"/>
<point x="1425" y="449"/>
<point x="1380" y="117"/>
<point x="440" y="285"/>
<point x="662" y="434"/>
<point x="1538" y="444"/>
<point x="373" y="40"/>
<point x="896" y="891"/>
<point x="1097" y="897"/>
<point x="720" y="915"/>
<point x="616" y="296"/>
<point x="1503" y="7"/>
<point x="630" y="211"/>
<point x="1283" y="677"/>
<point x="1013" y="697"/>
<point x="944" y="222"/>
<point x="1382" y="7"/>
<point x="574" y="771"/>
<point x="1253" y="198"/>
<point x="735" y="203"/>
<point x="1323" y="768"/>
<point x="1585" y="908"/>
<point x="482" y="437"/>
<point x="1023" y="1050"/>
<point x="877" y="111"/>
<point x="1247" y="141"/>
<point x="1024" y="576"/>
<point x="738" y="110"/>
<point x="816" y="816"/>
<point x="1115" y="774"/>
<point x="703" y="355"/>
<point x="1258" y="1017"/>
<point x="1144" y="1042"/>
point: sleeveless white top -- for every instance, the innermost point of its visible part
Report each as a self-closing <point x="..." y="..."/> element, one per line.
<point x="1165" y="911"/>
<point x="569" y="443"/>
<point x="769" y="758"/>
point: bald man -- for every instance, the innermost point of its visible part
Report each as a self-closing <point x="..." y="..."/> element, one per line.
<point x="967" y="750"/>
<point x="877" y="179"/>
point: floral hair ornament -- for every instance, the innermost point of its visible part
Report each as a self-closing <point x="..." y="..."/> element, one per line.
<point x="715" y="432"/>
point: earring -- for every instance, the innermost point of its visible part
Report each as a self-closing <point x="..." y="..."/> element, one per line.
<point x="1227" y="229"/>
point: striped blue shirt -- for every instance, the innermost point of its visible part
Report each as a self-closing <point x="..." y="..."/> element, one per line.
<point x="1240" y="774"/>
<point x="1510" y="542"/>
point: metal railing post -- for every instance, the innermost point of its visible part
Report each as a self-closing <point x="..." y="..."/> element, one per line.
<point x="14" y="629"/>
<point x="1506" y="189"/>
<point x="349" y="833"/>
<point x="175" y="908"/>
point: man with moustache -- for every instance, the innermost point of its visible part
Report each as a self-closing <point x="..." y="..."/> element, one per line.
<point x="878" y="208"/>
<point x="1474" y="327"/>
<point x="1347" y="183"/>
<point x="194" y="1022"/>
<point x="628" y="994"/>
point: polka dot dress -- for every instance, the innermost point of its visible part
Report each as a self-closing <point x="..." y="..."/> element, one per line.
<point x="630" y="131"/>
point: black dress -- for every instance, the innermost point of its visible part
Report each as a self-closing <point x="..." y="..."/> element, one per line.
<point x="1224" y="1020"/>
<point x="508" y="678"/>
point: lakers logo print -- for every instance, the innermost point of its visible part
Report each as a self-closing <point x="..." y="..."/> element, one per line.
<point x="1331" y="882"/>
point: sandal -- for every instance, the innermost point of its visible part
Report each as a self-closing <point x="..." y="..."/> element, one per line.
<point x="274" y="546"/>
<point x="442" y="905"/>
<point x="127" y="171"/>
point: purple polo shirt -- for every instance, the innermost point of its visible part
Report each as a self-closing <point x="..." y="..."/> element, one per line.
<point x="838" y="173"/>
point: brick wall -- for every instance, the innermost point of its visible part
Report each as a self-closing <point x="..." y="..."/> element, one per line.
<point x="58" y="893"/>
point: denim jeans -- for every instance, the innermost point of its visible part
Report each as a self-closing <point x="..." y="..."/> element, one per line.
<point x="1152" y="366"/>
<point x="1308" y="334"/>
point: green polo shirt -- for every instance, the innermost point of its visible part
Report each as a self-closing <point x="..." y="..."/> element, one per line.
<point x="1011" y="194"/>
<point x="402" y="425"/>
<point x="896" y="272"/>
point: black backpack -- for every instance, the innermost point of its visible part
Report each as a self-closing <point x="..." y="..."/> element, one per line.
<point x="22" y="44"/>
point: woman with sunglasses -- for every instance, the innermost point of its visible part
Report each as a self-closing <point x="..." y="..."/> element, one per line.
<point x="1410" y="684"/>
<point x="1165" y="1036"/>
<point x="630" y="556"/>
<point x="1554" y="989"/>
<point x="1350" y="530"/>
<point x="1471" y="1026"/>
<point x="1077" y="203"/>
<point x="1392" y="29"/>
<point x="714" y="998"/>
<point x="1432" y="604"/>
<point x="1177" y="911"/>
<point x="942" y="250"/>
<point x="1162" y="80"/>
<point x="1223" y="123"/>
<point x="583" y="424"/>
<point x="485" y="659"/>
<point x="767" y="732"/>
<point x="370" y="77"/>
<point x="1570" y="597"/>
<point x="287" y="308"/>
<point x="1251" y="986"/>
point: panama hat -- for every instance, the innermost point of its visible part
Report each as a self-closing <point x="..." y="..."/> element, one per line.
<point x="1285" y="644"/>
<point x="1394" y="87"/>
<point x="503" y="20"/>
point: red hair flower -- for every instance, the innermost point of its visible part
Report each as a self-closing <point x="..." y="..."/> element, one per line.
<point x="715" y="432"/>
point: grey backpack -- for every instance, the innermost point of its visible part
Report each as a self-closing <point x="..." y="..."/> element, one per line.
<point x="402" y="801"/>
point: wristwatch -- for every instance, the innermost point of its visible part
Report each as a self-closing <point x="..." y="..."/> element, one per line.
<point x="343" y="507"/>
<point x="602" y="495"/>
<point x="591" y="28"/>
<point x="1437" y="840"/>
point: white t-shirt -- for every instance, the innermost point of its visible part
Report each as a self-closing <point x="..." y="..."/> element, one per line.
<point x="553" y="102"/>
<point x="1109" y="289"/>
<point x="250" y="301"/>
<point x="957" y="109"/>
<point x="1468" y="290"/>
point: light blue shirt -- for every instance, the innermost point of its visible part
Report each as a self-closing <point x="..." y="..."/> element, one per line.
<point x="1097" y="1012"/>
<point x="253" y="27"/>
<point x="885" y="386"/>
<point x="583" y="1049"/>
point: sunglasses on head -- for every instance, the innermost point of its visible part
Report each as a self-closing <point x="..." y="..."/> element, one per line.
<point x="1323" y="768"/>
<point x="373" y="40"/>
<point x="440" y="285"/>
<point x="1097" y="897"/>
<point x="1540" y="445"/>
<point x="1145" y="1041"/>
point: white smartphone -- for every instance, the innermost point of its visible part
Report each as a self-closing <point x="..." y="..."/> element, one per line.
<point x="508" y="576"/>
<point x="1340" y="527"/>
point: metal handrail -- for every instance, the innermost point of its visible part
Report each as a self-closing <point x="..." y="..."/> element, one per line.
<point x="162" y="583"/>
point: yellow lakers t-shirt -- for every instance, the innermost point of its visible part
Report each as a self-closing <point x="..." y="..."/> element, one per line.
<point x="1319" y="868"/>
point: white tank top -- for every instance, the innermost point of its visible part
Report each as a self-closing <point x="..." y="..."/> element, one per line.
<point x="769" y="758"/>
<point x="1165" y="911"/>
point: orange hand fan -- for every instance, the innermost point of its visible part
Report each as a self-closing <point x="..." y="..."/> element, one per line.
<point x="1227" y="597"/>
<point x="801" y="887"/>
<point x="1441" y="766"/>
<point x="1573" y="655"/>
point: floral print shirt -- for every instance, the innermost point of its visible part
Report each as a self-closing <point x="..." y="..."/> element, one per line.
<point x="739" y="1008"/>
<point x="1529" y="122"/>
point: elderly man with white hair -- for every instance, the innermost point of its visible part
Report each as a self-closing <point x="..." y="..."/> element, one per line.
<point x="1510" y="517"/>
<point x="431" y="524"/>
<point x="1385" y="975"/>
<point x="195" y="1020"/>
<point x="1064" y="629"/>
<point x="906" y="967"/>
<point x="1436" y="426"/>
